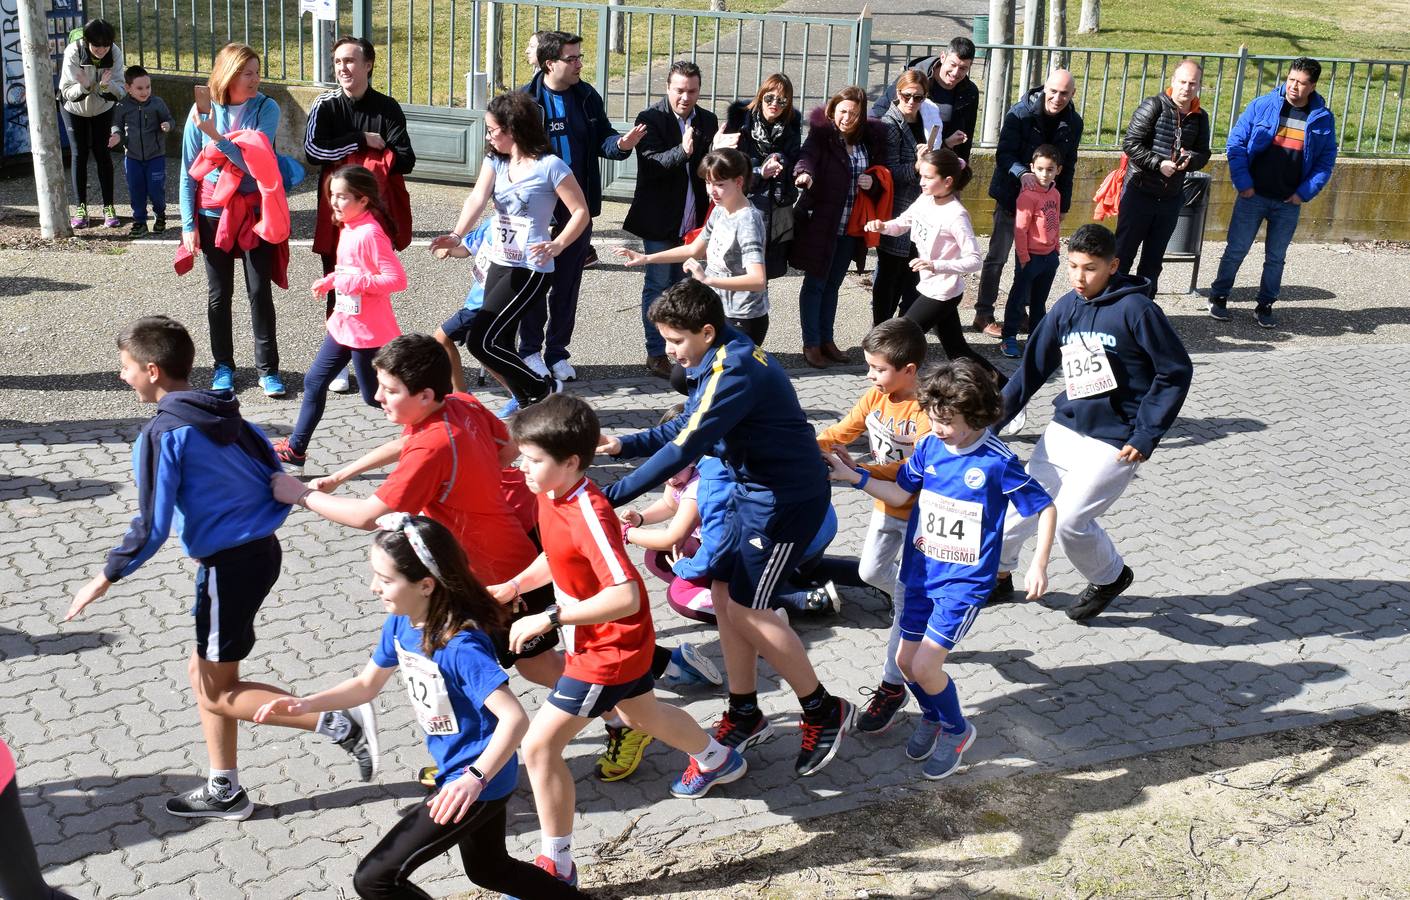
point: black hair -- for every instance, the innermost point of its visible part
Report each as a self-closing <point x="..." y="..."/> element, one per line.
<point x="369" y="52"/>
<point x="98" y="33"/>
<point x="364" y="186"/>
<point x="561" y="425"/>
<point x="132" y="73"/>
<point x="550" y="46"/>
<point x="522" y="117"/>
<point x="1094" y="240"/>
<point x="724" y="164"/>
<point x="1047" y="151"/>
<point x="949" y="165"/>
<point x="1307" y="65"/>
<point x="417" y="361"/>
<point x="962" y="47"/>
<point x="688" y="305"/>
<point x="459" y="601"/>
<point x="900" y="342"/>
<point x="962" y="387"/>
<point x="687" y="68"/>
<point x="160" y="340"/>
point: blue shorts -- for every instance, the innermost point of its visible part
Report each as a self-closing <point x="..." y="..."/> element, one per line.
<point x="458" y="325"/>
<point x="230" y="587"/>
<point x="764" y="542"/>
<point x="583" y="698"/>
<point x="944" y="619"/>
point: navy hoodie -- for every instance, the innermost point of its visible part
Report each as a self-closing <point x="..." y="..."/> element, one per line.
<point x="203" y="469"/>
<point x="1151" y="366"/>
<point x="742" y="408"/>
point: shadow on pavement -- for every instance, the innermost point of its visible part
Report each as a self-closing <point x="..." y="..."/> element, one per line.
<point x="14" y="487"/>
<point x="15" y="644"/>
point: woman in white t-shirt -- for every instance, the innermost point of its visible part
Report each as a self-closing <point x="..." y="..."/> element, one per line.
<point x="526" y="182"/>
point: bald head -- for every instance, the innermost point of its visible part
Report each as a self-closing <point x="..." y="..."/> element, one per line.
<point x="1185" y="83"/>
<point x="1058" y="91"/>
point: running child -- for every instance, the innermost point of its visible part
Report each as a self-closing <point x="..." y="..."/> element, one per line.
<point x="606" y="620"/>
<point x="141" y="123"/>
<point x="368" y="272"/>
<point x="963" y="478"/>
<point x="1037" y="225"/>
<point x="454" y="330"/>
<point x="1126" y="375"/>
<point x="946" y="251"/>
<point x="890" y="415"/>
<point x="435" y="635"/>
<point x="731" y="243"/>
<point x="742" y="408"/>
<point x="200" y="465"/>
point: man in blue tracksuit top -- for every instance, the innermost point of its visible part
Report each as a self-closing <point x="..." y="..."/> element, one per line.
<point x="580" y="133"/>
<point x="742" y="408"/>
<point x="203" y="469"/>
<point x="1125" y="375"/>
<point x="1281" y="153"/>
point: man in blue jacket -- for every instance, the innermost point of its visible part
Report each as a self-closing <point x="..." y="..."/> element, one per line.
<point x="580" y="133"/>
<point x="1281" y="153"/>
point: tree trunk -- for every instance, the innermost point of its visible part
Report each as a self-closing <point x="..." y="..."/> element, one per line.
<point x="998" y="69"/>
<point x="1057" y="31"/>
<point x="1091" y="16"/>
<point x="44" y="149"/>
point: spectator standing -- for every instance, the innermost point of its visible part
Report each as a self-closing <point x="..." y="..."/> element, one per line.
<point x="948" y="86"/>
<point x="895" y="283"/>
<point x="769" y="131"/>
<point x="140" y="124"/>
<point x="90" y="83"/>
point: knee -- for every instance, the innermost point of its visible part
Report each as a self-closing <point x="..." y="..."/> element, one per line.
<point x="372" y="880"/>
<point x="537" y="752"/>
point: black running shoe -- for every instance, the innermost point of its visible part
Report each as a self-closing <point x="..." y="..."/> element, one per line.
<point x="1098" y="597"/>
<point x="821" y="739"/>
<point x="203" y="803"/>
<point x="361" y="741"/>
<point x="741" y="734"/>
<point x="1002" y="592"/>
<point x="880" y="713"/>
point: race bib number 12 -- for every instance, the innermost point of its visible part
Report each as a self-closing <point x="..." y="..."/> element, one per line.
<point x="427" y="690"/>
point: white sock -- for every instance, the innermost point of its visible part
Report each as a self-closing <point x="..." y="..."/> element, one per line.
<point x="613" y="720"/>
<point x="335" y="725"/>
<point x="229" y="782"/>
<point x="712" y="757"/>
<point x="560" y="850"/>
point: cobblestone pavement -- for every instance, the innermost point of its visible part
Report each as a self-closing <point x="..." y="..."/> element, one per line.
<point x="1267" y="596"/>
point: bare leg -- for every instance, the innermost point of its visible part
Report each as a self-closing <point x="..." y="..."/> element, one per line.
<point x="223" y="699"/>
<point x="457" y="374"/>
<point x="554" y="793"/>
<point x="544" y="669"/>
<point x="929" y="666"/>
<point x="772" y="638"/>
<point x="666" y="723"/>
<point x="741" y="659"/>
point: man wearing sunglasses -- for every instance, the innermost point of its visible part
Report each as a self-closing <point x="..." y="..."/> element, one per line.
<point x="950" y="89"/>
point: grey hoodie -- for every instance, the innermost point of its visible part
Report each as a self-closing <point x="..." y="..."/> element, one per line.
<point x="78" y="68"/>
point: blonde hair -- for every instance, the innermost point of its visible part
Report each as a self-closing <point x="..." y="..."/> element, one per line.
<point x="229" y="63"/>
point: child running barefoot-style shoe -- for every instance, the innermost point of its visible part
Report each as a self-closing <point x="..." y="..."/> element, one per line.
<point x="690" y="667"/>
<point x="361" y="739"/>
<point x="213" y="800"/>
<point x="922" y="740"/>
<point x="287" y="454"/>
<point x="694" y="783"/>
<point x="740" y="733"/>
<point x="880" y="714"/>
<point x="822" y="739"/>
<point x="625" y="748"/>
<point x="223" y="379"/>
<point x="949" y="748"/>
<point x="569" y="878"/>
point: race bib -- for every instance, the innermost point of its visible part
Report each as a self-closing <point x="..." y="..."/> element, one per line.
<point x="886" y="445"/>
<point x="511" y="235"/>
<point x="949" y="529"/>
<point x="568" y="632"/>
<point x="480" y="270"/>
<point x="349" y="304"/>
<point x="1086" y="371"/>
<point x="427" y="690"/>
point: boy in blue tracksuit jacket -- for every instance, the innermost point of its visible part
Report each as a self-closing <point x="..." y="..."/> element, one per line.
<point x="742" y="408"/>
<point x="1126" y="375"/>
<point x="202" y="468"/>
<point x="1281" y="153"/>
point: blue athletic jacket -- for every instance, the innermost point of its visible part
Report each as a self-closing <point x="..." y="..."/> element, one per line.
<point x="202" y="468"/>
<point x="1258" y="124"/>
<point x="741" y="400"/>
<point x="1151" y="366"/>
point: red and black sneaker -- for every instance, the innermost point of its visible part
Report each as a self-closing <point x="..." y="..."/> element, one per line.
<point x="743" y="733"/>
<point x="880" y="714"/>
<point x="569" y="877"/>
<point x="287" y="454"/>
<point x="821" y="738"/>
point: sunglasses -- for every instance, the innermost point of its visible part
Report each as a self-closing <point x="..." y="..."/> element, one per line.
<point x="910" y="98"/>
<point x="775" y="99"/>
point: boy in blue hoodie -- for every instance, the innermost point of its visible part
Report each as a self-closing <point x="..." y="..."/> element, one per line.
<point x="204" y="469"/>
<point x="1126" y="376"/>
<point x="743" y="410"/>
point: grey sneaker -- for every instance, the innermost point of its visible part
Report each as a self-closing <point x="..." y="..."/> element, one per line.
<point x="923" y="738"/>
<point x="1265" y="318"/>
<point x="361" y="741"/>
<point x="1219" y="309"/>
<point x="949" y="748"/>
<point x="203" y="803"/>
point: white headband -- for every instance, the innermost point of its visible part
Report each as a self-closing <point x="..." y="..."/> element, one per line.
<point x="400" y="521"/>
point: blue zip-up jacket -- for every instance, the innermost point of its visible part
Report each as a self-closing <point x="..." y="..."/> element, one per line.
<point x="1151" y="366"/>
<point x="585" y="115"/>
<point x="257" y="112"/>
<point x="204" y="470"/>
<point x="1254" y="131"/>
<point x="741" y="400"/>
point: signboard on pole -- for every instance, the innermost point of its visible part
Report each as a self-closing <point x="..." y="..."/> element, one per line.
<point x="62" y="16"/>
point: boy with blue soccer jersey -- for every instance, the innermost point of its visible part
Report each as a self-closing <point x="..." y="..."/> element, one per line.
<point x="963" y="479"/>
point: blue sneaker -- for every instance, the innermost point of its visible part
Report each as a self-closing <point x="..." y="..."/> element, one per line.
<point x="1009" y="347"/>
<point x="693" y="666"/>
<point x="223" y="379"/>
<point x="509" y="408"/>
<point x="694" y="783"/>
<point x="272" y="385"/>
<point x="923" y="739"/>
<point x="945" y="758"/>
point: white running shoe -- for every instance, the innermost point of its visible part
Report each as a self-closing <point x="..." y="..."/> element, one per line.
<point x="1015" y="424"/>
<point x="341" y="383"/>
<point x="564" y="371"/>
<point x="535" y="361"/>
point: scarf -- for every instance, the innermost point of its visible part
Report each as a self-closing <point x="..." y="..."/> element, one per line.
<point x="765" y="135"/>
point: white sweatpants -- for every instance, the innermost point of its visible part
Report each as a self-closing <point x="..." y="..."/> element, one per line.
<point x="1084" y="479"/>
<point x="880" y="567"/>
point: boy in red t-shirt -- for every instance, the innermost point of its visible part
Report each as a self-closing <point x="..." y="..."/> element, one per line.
<point x="1036" y="224"/>
<point x="606" y="619"/>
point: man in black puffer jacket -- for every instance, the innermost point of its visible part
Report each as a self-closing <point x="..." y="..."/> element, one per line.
<point x="1168" y="136"/>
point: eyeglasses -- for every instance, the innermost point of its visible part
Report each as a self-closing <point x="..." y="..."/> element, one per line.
<point x="910" y="98"/>
<point x="775" y="99"/>
<point x="492" y="130"/>
<point x="578" y="57"/>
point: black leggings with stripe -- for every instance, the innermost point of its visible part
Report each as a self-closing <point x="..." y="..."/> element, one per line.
<point x="509" y="293"/>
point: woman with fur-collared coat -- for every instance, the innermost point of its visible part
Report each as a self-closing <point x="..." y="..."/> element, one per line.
<point x="842" y="144"/>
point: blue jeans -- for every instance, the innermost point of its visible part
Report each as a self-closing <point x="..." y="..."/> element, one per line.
<point x="1243" y="227"/>
<point x="332" y="358"/>
<point x="659" y="276"/>
<point x="817" y="301"/>
<point x="146" y="180"/>
<point x="1029" y="294"/>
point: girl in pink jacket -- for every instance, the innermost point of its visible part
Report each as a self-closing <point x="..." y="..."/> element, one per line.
<point x="367" y="274"/>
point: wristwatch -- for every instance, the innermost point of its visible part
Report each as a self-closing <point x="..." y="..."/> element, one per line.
<point x="475" y="773"/>
<point x="552" y="612"/>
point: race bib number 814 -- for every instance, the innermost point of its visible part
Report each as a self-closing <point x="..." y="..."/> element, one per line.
<point x="949" y="529"/>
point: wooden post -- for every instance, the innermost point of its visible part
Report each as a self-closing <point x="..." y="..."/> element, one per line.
<point x="49" y="183"/>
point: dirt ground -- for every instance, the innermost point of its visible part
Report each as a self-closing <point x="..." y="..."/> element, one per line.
<point x="1315" y="812"/>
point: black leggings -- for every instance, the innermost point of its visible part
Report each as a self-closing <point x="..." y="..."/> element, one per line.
<point x="510" y="292"/>
<point x="893" y="285"/>
<point x="756" y="328"/>
<point x="384" y="873"/>
<point x="943" y="317"/>
<point x="20" y="877"/>
<point x="88" y="136"/>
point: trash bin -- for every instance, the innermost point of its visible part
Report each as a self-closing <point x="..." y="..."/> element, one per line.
<point x="981" y="36"/>
<point x="1187" y="241"/>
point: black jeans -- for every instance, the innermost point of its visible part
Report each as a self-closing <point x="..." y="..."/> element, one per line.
<point x="20" y="876"/>
<point x="385" y="873"/>
<point x="943" y="317"/>
<point x="88" y="136"/>
<point x="509" y="292"/>
<point x="893" y="287"/>
<point x="220" y="288"/>
<point x="1145" y="221"/>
